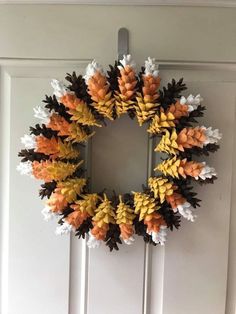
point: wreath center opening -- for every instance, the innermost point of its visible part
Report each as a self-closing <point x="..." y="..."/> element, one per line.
<point x="119" y="156"/>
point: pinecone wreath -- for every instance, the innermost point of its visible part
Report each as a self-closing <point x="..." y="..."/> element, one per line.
<point x="69" y="118"/>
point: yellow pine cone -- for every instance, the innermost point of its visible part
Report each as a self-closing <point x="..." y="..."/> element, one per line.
<point x="127" y="82"/>
<point x="161" y="122"/>
<point x="67" y="151"/>
<point x="144" y="111"/>
<point x="81" y="113"/>
<point x="124" y="213"/>
<point x="71" y="188"/>
<point x="168" y="143"/>
<point x="77" y="134"/>
<point x="87" y="204"/>
<point x="170" y="167"/>
<point x="161" y="187"/>
<point x="98" y="87"/>
<point x="190" y="137"/>
<point x="144" y="204"/>
<point x="53" y="170"/>
<point x="105" y="213"/>
<point x="151" y="85"/>
<point x="105" y="107"/>
<point x="122" y="106"/>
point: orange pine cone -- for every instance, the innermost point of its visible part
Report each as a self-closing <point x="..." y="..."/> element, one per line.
<point x="190" y="137"/>
<point x="178" y="110"/>
<point x="127" y="82"/>
<point x="126" y="231"/>
<point x="151" y="85"/>
<point x="154" y="221"/>
<point x="57" y="202"/>
<point x="99" y="232"/>
<point x="76" y="218"/>
<point x="70" y="101"/>
<point x="39" y="170"/>
<point x="47" y="146"/>
<point x="190" y="168"/>
<point x="175" y="199"/>
<point x="58" y="123"/>
<point x="98" y="87"/>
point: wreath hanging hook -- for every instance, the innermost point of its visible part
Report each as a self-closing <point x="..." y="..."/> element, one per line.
<point x="123" y="42"/>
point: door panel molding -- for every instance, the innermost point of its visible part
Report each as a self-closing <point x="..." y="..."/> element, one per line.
<point x="192" y="3"/>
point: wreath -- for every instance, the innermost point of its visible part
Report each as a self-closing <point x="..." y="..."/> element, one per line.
<point x="69" y="118"/>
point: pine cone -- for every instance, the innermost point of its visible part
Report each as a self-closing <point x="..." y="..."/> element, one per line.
<point x="72" y="130"/>
<point x="47" y="146"/>
<point x="190" y="168"/>
<point x="144" y="110"/>
<point x="78" y="86"/>
<point x="168" y="143"/>
<point x="144" y="204"/>
<point x="122" y="106"/>
<point x="104" y="213"/>
<point x="76" y="218"/>
<point x="31" y="155"/>
<point x="112" y="75"/>
<point x="127" y="83"/>
<point x="43" y="130"/>
<point x="66" y="150"/>
<point x="53" y="170"/>
<point x="105" y="107"/>
<point x="170" y="167"/>
<point x="71" y="188"/>
<point x="178" y="110"/>
<point x="87" y="204"/>
<point x="77" y="134"/>
<point x="161" y="187"/>
<point x="154" y="221"/>
<point x="98" y="87"/>
<point x="58" y="123"/>
<point x="150" y="86"/>
<point x="78" y="110"/>
<point x="99" y="232"/>
<point x="57" y="202"/>
<point x="161" y="122"/>
<point x="125" y="214"/>
<point x="126" y="231"/>
<point x="53" y="105"/>
<point x="191" y="137"/>
<point x="175" y="200"/>
<point x="47" y="189"/>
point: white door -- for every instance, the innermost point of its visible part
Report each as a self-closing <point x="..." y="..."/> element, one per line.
<point x="41" y="273"/>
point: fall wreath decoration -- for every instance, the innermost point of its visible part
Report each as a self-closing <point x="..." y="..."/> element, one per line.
<point x="70" y="117"/>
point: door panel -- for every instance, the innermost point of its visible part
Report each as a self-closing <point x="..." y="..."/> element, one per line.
<point x="36" y="263"/>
